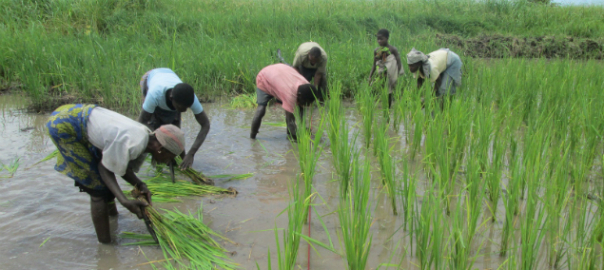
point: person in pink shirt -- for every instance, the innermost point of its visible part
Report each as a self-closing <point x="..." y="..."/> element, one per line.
<point x="291" y="89"/>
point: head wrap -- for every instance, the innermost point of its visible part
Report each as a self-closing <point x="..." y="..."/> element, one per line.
<point x="415" y="56"/>
<point x="171" y="138"/>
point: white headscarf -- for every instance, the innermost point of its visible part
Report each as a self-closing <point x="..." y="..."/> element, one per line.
<point x="415" y="56"/>
<point x="171" y="138"/>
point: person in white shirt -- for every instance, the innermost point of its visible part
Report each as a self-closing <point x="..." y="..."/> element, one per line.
<point x="310" y="61"/>
<point x="96" y="145"/>
<point x="166" y="97"/>
<point x="441" y="67"/>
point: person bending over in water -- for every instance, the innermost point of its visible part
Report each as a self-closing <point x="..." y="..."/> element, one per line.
<point x="388" y="61"/>
<point x="96" y="144"/>
<point x="284" y="83"/>
<point x="311" y="61"/>
<point x="166" y="97"/>
<point x="442" y="67"/>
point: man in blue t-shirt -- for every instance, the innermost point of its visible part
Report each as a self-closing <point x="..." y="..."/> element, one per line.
<point x="166" y="96"/>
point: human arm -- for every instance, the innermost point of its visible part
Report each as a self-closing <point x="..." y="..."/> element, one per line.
<point x="260" y="111"/>
<point x="110" y="181"/>
<point x="144" y="117"/>
<point x="397" y="56"/>
<point x="133" y="180"/>
<point x="297" y="61"/>
<point x="420" y="82"/>
<point x="204" y="122"/>
<point x="373" y="67"/>
<point x="317" y="79"/>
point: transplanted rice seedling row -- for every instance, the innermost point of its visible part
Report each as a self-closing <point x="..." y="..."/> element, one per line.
<point x="510" y="168"/>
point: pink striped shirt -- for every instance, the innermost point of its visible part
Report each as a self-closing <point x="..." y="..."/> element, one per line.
<point x="281" y="81"/>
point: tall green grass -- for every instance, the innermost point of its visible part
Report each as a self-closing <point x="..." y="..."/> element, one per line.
<point x="97" y="50"/>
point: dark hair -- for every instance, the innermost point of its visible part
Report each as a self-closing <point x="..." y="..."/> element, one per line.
<point x="307" y="93"/>
<point x="383" y="32"/>
<point x="183" y="94"/>
<point x="315" y="52"/>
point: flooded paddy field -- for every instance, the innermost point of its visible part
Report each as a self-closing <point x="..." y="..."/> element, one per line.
<point x="46" y="222"/>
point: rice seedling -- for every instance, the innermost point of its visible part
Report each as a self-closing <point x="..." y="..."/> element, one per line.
<point x="342" y="147"/>
<point x="50" y="156"/>
<point x="430" y="230"/>
<point x="231" y="177"/>
<point x="195" y="176"/>
<point x="11" y="168"/>
<point x="387" y="166"/>
<point x="44" y="242"/>
<point x="418" y="129"/>
<point x="186" y="239"/>
<point x="287" y="247"/>
<point x="367" y="106"/>
<point x="408" y="191"/>
<point x="244" y="101"/>
<point x="164" y="190"/>
<point x="143" y="239"/>
<point x="309" y="150"/>
<point x="355" y="215"/>
<point x="557" y="197"/>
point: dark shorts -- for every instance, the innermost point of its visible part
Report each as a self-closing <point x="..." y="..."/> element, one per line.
<point x="263" y="98"/>
<point x="309" y="74"/>
<point x="106" y="194"/>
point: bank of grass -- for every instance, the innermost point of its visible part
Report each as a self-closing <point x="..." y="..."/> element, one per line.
<point x="97" y="50"/>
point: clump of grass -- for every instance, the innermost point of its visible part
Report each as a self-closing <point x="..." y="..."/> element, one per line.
<point x="366" y="103"/>
<point x="355" y="215"/>
<point x="309" y="150"/>
<point x="340" y="143"/>
<point x="244" y="101"/>
<point x="287" y="248"/>
<point x="430" y="234"/>
<point x="387" y="164"/>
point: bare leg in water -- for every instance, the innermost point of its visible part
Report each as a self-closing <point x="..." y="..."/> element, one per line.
<point x="260" y="111"/>
<point x="100" y="218"/>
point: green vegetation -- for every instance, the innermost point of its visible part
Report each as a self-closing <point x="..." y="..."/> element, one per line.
<point x="517" y="152"/>
<point x="188" y="241"/>
<point x="97" y="50"/>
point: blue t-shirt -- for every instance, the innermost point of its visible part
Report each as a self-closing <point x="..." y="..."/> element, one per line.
<point x="159" y="81"/>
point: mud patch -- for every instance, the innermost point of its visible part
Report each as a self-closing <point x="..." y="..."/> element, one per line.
<point x="497" y="46"/>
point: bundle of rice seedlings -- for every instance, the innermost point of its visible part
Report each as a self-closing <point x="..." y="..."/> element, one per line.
<point x="196" y="177"/>
<point x="244" y="101"/>
<point x="164" y="190"/>
<point x="186" y="241"/>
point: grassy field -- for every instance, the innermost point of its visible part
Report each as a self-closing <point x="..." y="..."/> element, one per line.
<point x="97" y="50"/>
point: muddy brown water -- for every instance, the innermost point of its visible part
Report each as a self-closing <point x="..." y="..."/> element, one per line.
<point x="39" y="204"/>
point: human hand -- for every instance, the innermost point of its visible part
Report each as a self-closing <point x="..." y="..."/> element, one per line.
<point x="142" y="188"/>
<point x="135" y="207"/>
<point x="187" y="162"/>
